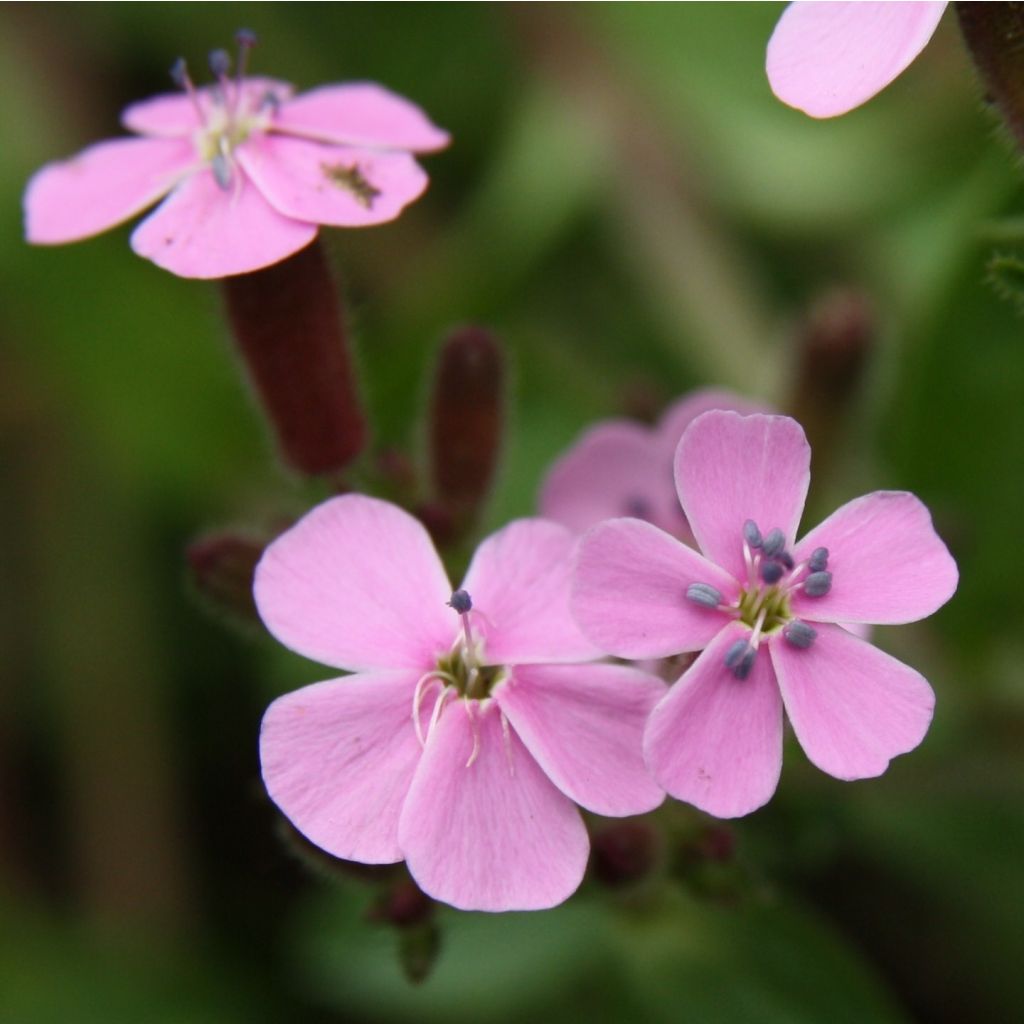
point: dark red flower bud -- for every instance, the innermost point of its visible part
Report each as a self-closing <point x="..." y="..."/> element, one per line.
<point x="221" y="567"/>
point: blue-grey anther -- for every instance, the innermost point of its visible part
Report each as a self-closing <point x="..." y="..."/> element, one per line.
<point x="220" y="63"/>
<point x="771" y="572"/>
<point x="818" y="584"/>
<point x="704" y="594"/>
<point x="751" y="534"/>
<point x="774" y="542"/>
<point x="735" y="654"/>
<point x="743" y="665"/>
<point x="221" y="167"/>
<point x="818" y="560"/>
<point x="461" y="602"/>
<point x="799" y="634"/>
<point x="245" y="37"/>
<point x="179" y="73"/>
<point x="787" y="560"/>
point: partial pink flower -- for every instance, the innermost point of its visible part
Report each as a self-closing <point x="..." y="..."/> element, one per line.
<point x="827" y="58"/>
<point x="469" y="729"/>
<point x="764" y="611"/>
<point x="623" y="468"/>
<point x="246" y="170"/>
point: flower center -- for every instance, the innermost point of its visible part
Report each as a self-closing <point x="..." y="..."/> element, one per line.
<point x="763" y="602"/>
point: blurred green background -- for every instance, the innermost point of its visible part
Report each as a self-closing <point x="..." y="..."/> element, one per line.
<point x="630" y="210"/>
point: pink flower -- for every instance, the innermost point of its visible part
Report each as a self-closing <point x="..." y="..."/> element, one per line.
<point x="469" y="728"/>
<point x="827" y="58"/>
<point x="763" y="610"/>
<point x="622" y="468"/>
<point x="248" y="171"/>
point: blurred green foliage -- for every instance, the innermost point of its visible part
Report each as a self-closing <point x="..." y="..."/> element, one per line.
<point x="630" y="210"/>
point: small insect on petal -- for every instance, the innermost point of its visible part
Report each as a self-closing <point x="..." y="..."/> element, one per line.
<point x="799" y="634"/>
<point x="818" y="584"/>
<point x="704" y="594"/>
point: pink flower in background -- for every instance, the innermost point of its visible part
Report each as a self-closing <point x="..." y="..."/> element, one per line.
<point x="827" y="58"/>
<point x="623" y="468"/>
<point x="763" y="609"/>
<point x="248" y="171"/>
<point x="469" y="730"/>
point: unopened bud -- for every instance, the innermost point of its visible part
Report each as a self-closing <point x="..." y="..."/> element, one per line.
<point x="624" y="852"/>
<point x="221" y="567"/>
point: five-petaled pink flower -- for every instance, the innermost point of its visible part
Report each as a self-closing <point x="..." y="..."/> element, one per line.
<point x="248" y="171"/>
<point x="827" y="58"/>
<point x="469" y="728"/>
<point x="623" y="468"/>
<point x="763" y="609"/>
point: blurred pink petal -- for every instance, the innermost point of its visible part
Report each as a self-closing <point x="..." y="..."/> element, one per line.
<point x="716" y="741"/>
<point x="101" y="187"/>
<point x="827" y="58"/>
<point x="483" y="827"/>
<point x="888" y="564"/>
<point x="630" y="591"/>
<point x="519" y="582"/>
<point x="356" y="584"/>
<point x="678" y="416"/>
<point x="584" y="726"/>
<point x="335" y="185"/>
<point x="199" y="231"/>
<point x="338" y="758"/>
<point x="853" y="707"/>
<point x="730" y="468"/>
<point x="362" y="114"/>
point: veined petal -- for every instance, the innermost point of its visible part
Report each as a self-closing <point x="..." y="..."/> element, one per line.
<point x="888" y="564"/>
<point x="617" y="468"/>
<point x="101" y="187"/>
<point x="483" y="827"/>
<point x="853" y="707"/>
<point x="519" y="583"/>
<point x="715" y="741"/>
<point x="584" y="726"/>
<point x="174" y="113"/>
<point x="731" y="468"/>
<point x="361" y="114"/>
<point x="200" y="230"/>
<point x="629" y="592"/>
<point x="356" y="583"/>
<point x="827" y="58"/>
<point x="339" y="185"/>
<point x="338" y="758"/>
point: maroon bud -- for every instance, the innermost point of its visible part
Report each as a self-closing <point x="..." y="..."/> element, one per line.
<point x="466" y="419"/>
<point x="403" y="905"/>
<point x="288" y="325"/>
<point x="624" y="852"/>
<point x="221" y="567"/>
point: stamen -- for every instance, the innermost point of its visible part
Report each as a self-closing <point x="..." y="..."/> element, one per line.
<point x="773" y="543"/>
<point x="461" y="602"/>
<point x="442" y="697"/>
<point x="476" y="734"/>
<point x="180" y="77"/>
<point x="771" y="572"/>
<point x="740" y="659"/>
<point x="818" y="560"/>
<point x="787" y="559"/>
<point x="506" y="739"/>
<point x="220" y="63"/>
<point x="704" y="594"/>
<point x="751" y="534"/>
<point x="245" y="39"/>
<point x="799" y="634"/>
<point x="818" y="584"/>
<point x="221" y="167"/>
<point x="434" y="676"/>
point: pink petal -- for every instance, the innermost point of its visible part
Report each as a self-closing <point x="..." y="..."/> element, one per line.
<point x="301" y="179"/>
<point x="629" y="595"/>
<point x="101" y="187"/>
<point x="616" y="468"/>
<point x="494" y="834"/>
<point x="731" y="468"/>
<point x="201" y="230"/>
<point x="519" y="583"/>
<point x="888" y="565"/>
<point x="827" y="58"/>
<point x="584" y="726"/>
<point x="338" y="758"/>
<point x="852" y="706"/>
<point x="678" y="416"/>
<point x="715" y="741"/>
<point x="174" y="113"/>
<point x="356" y="583"/>
<point x="361" y="114"/>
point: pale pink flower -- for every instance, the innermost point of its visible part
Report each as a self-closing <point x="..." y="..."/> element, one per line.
<point x="469" y="730"/>
<point x="748" y="603"/>
<point x="623" y="468"/>
<point x="248" y="170"/>
<point x="827" y="58"/>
